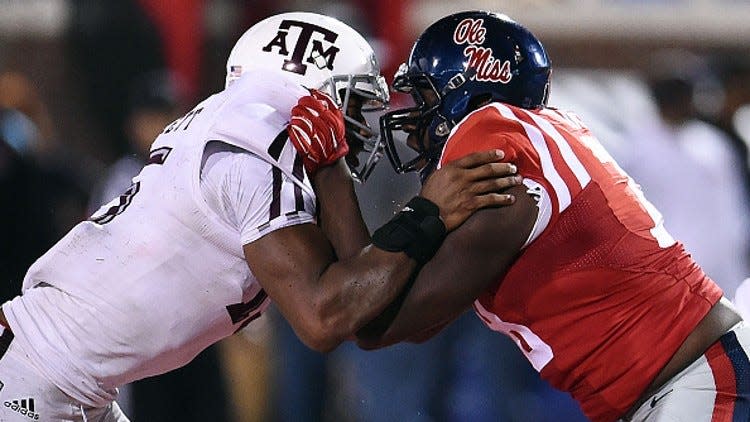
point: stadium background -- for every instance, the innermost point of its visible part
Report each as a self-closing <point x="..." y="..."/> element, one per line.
<point x="67" y="72"/>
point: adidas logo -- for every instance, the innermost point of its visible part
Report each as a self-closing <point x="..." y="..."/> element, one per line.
<point x="24" y="407"/>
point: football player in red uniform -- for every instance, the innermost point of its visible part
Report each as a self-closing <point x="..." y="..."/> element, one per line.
<point x="580" y="271"/>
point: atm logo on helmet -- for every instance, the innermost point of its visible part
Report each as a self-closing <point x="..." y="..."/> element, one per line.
<point x="488" y="67"/>
<point x="318" y="56"/>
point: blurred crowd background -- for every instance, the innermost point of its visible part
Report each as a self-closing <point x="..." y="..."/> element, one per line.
<point x="86" y="85"/>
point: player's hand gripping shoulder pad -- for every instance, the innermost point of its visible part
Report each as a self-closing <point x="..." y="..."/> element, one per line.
<point x="317" y="130"/>
<point x="417" y="230"/>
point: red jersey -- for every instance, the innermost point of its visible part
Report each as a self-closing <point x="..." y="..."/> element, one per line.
<point x="603" y="297"/>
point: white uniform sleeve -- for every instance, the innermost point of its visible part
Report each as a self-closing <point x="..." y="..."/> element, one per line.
<point x="250" y="195"/>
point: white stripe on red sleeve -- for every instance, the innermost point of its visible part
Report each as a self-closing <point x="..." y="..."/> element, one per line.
<point x="567" y="153"/>
<point x="548" y="169"/>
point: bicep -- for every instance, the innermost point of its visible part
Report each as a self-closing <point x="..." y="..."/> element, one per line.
<point x="285" y="262"/>
<point x="271" y="217"/>
<point x="472" y="258"/>
<point x="324" y="301"/>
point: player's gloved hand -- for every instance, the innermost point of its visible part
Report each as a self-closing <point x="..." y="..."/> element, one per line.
<point x="317" y="131"/>
<point x="465" y="185"/>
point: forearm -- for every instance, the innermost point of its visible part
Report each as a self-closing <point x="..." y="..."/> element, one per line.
<point x="340" y="217"/>
<point x="325" y="300"/>
<point x="355" y="291"/>
<point x="365" y="278"/>
<point x="416" y="312"/>
<point x="472" y="258"/>
<point x="346" y="294"/>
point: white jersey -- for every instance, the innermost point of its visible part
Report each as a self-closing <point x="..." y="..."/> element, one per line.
<point x="157" y="275"/>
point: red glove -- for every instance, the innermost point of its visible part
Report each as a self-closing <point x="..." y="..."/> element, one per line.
<point x="317" y="131"/>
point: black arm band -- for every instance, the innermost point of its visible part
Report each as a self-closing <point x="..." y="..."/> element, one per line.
<point x="416" y="230"/>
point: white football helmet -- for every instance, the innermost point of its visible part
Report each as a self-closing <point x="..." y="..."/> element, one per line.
<point x="323" y="53"/>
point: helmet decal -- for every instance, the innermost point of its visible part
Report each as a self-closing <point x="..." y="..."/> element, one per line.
<point x="235" y="71"/>
<point x="320" y="57"/>
<point x="482" y="59"/>
<point x="470" y="31"/>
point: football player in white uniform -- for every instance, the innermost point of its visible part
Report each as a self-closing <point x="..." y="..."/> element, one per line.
<point x="221" y="220"/>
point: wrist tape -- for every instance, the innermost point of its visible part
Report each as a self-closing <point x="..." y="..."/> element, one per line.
<point x="416" y="230"/>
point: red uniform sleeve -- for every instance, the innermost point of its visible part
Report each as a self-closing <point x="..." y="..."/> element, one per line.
<point x="486" y="129"/>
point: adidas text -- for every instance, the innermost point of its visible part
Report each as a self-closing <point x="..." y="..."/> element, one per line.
<point x="24" y="407"/>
